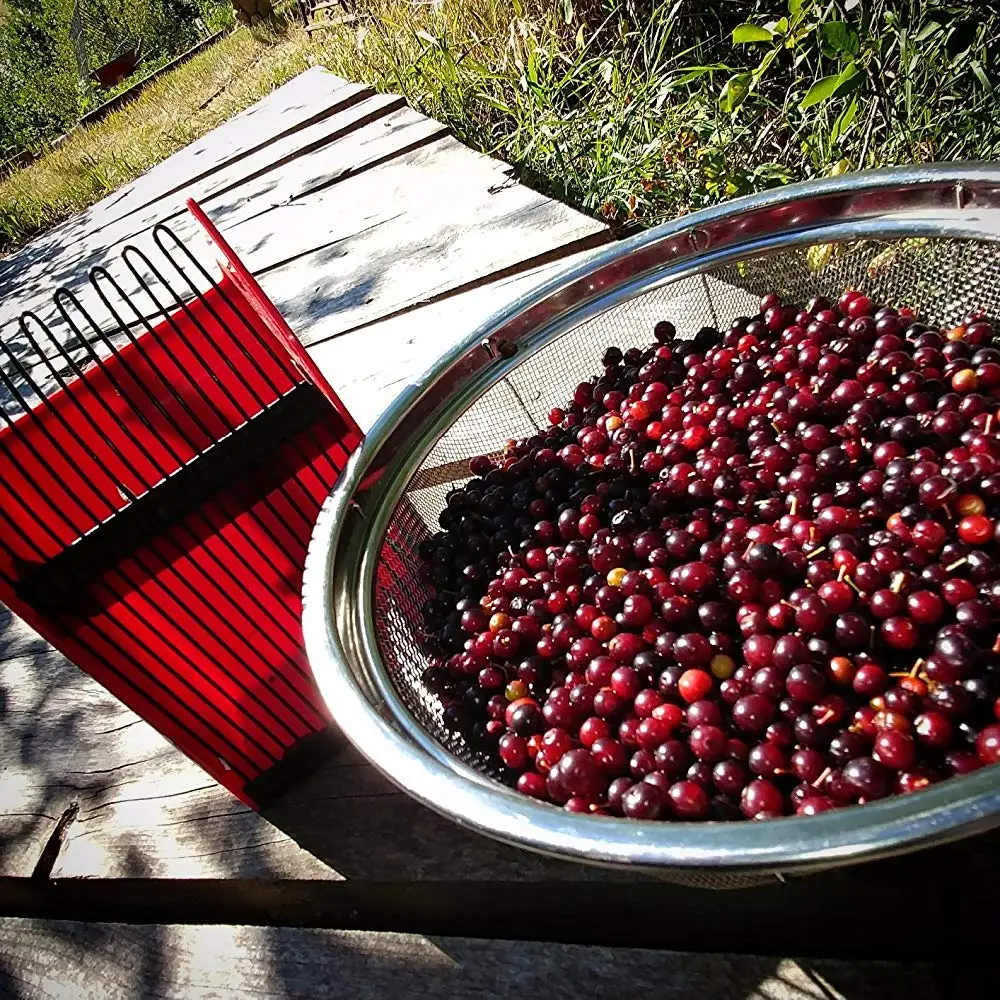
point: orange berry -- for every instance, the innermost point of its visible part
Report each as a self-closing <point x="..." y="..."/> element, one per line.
<point x="499" y="621"/>
<point x="969" y="503"/>
<point x="964" y="380"/>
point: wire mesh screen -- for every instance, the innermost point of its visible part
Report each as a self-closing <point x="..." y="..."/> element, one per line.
<point x="943" y="279"/>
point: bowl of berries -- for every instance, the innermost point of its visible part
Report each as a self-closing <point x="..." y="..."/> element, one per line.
<point x="689" y="560"/>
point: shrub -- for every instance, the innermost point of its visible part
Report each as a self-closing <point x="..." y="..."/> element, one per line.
<point x="39" y="82"/>
<point x="44" y="83"/>
<point x="643" y="109"/>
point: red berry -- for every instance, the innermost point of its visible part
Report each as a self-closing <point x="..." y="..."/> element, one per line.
<point x="975" y="529"/>
<point x="988" y="744"/>
<point x="800" y="507"/>
<point x="694" y="685"/>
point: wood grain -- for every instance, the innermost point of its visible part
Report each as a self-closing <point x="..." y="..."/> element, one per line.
<point x="423" y="224"/>
<point x="145" y="808"/>
<point x="42" y="960"/>
<point x="252" y="178"/>
<point x="371" y="366"/>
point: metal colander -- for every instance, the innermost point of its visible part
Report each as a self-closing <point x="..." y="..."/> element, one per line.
<point x="926" y="237"/>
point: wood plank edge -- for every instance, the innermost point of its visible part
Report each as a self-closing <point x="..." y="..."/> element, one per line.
<point x="347" y="174"/>
<point x="394" y="103"/>
<point x="580" y="245"/>
<point x="741" y="921"/>
<point x="338" y="105"/>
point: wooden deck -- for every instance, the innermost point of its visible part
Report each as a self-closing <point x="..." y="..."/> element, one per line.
<point x="383" y="241"/>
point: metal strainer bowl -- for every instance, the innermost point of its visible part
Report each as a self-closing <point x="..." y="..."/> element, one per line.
<point x="924" y="236"/>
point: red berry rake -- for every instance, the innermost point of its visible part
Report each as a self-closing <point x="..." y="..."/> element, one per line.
<point x="162" y="474"/>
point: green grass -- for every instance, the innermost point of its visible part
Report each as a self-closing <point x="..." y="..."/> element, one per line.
<point x="170" y="113"/>
<point x="621" y="106"/>
<point x="634" y="110"/>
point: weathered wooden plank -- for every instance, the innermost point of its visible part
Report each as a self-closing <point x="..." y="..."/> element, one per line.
<point x="265" y="132"/>
<point x="144" y="807"/>
<point x="421" y="226"/>
<point x="306" y="98"/>
<point x="365" y="134"/>
<point x="347" y="106"/>
<point x="48" y="959"/>
<point x="371" y="366"/>
<point x="393" y="133"/>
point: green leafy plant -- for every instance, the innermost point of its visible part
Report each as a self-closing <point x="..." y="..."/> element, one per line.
<point x="39" y="88"/>
<point x="632" y="109"/>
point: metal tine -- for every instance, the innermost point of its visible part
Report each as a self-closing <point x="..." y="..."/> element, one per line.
<point x="83" y="622"/>
<point x="142" y="565"/>
<point x="89" y="418"/>
<point x="178" y="398"/>
<point x="151" y="330"/>
<point x="182" y="304"/>
<point x="43" y="427"/>
<point x="27" y="540"/>
<point x="96" y="275"/>
<point x="161" y="229"/>
<point x="13" y="401"/>
<point x="278" y="357"/>
<point x="100" y="272"/>
<point x="44" y="525"/>
<point x="32" y="510"/>
<point x="68" y="295"/>
<point x="64" y="385"/>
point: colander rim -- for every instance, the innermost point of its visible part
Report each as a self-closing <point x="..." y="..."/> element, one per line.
<point x="381" y="727"/>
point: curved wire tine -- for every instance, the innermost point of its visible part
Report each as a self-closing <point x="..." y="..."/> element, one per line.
<point x="23" y="325"/>
<point x="152" y="332"/>
<point x="65" y="293"/>
<point x="185" y="307"/>
<point x="156" y="464"/>
<point x="241" y="347"/>
<point x="144" y="567"/>
<point x="279" y="357"/>
<point x="15" y="405"/>
<point x="87" y="343"/>
<point x="18" y="365"/>
<point x="165" y="312"/>
<point x="88" y="417"/>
